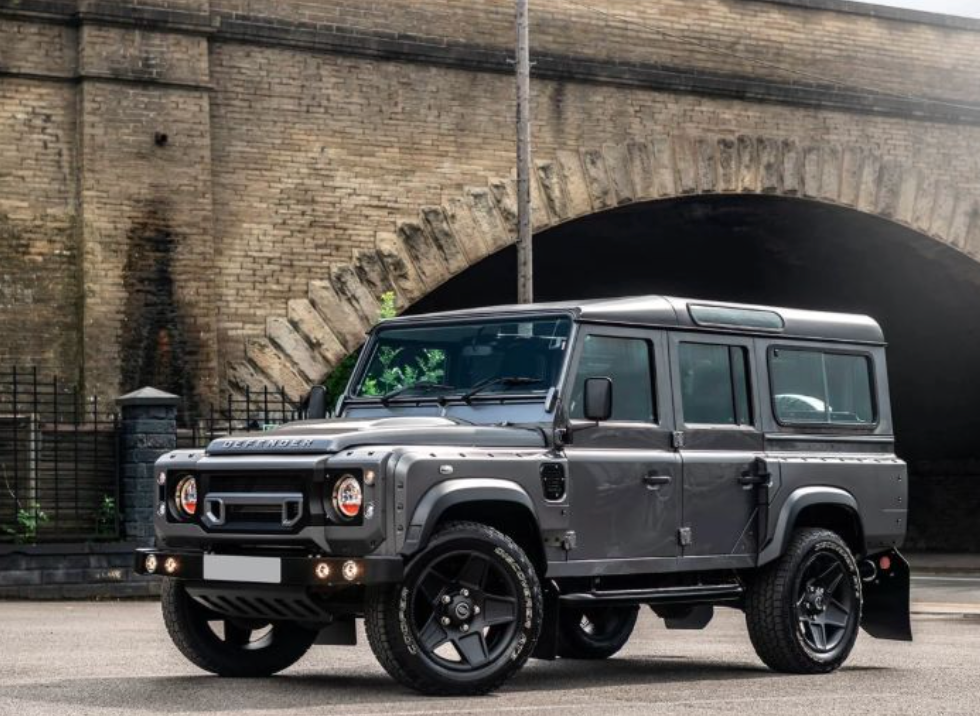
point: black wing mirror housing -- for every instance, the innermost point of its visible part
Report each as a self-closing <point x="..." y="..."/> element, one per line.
<point x="598" y="399"/>
<point x="316" y="403"/>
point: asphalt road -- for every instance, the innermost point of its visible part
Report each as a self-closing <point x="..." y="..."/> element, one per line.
<point x="115" y="658"/>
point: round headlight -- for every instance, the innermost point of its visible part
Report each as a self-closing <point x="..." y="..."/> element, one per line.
<point x="347" y="496"/>
<point x="187" y="496"/>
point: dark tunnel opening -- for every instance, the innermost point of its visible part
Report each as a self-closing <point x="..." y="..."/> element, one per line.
<point x="804" y="254"/>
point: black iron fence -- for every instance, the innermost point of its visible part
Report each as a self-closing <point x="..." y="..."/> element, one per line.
<point x="59" y="461"/>
<point x="252" y="412"/>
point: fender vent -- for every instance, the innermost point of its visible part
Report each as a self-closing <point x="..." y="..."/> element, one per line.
<point x="553" y="481"/>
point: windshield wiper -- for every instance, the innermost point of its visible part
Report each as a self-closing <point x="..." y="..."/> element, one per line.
<point x="508" y="380"/>
<point x="421" y="385"/>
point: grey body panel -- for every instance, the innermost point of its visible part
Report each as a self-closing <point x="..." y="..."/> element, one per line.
<point x="430" y="458"/>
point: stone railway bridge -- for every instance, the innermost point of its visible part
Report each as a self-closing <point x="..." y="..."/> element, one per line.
<point x="209" y="195"/>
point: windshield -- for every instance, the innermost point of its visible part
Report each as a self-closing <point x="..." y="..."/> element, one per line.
<point x="489" y="357"/>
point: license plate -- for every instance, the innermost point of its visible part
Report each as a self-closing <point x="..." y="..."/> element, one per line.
<point x="231" y="568"/>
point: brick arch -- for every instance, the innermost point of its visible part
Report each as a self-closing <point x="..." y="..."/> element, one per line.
<point x="314" y="333"/>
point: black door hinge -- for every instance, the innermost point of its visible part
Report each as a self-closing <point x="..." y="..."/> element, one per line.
<point x="677" y="439"/>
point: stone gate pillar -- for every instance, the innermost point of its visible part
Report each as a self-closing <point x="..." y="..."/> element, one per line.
<point x="148" y="430"/>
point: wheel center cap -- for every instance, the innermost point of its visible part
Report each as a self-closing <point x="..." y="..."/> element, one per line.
<point x="463" y="610"/>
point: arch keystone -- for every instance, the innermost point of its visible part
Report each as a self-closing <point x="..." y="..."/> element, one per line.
<point x="597" y="179"/>
<point x="552" y="191"/>
<point x="294" y="347"/>
<point x="472" y="241"/>
<point x="265" y="358"/>
<point x="748" y="163"/>
<point x="488" y="219"/>
<point x="404" y="277"/>
<point x="575" y="182"/>
<point x="346" y="324"/>
<point x="617" y="161"/>
<point x="443" y="238"/>
<point x="425" y="256"/>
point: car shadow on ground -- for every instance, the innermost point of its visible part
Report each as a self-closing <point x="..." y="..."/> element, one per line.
<point x="205" y="694"/>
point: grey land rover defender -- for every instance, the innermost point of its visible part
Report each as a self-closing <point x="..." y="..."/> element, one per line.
<point x="518" y="481"/>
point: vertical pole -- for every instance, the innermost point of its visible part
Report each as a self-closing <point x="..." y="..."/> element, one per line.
<point x="525" y="263"/>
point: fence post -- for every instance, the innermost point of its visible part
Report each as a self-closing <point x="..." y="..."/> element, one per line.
<point x="148" y="430"/>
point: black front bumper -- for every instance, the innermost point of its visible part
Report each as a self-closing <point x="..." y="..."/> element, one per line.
<point x="295" y="571"/>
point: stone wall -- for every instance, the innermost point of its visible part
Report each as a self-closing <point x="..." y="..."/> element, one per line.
<point x="182" y="183"/>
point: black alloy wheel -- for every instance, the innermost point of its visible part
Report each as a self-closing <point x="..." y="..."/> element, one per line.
<point x="466" y="616"/>
<point x="228" y="646"/>
<point x="803" y="611"/>
<point x="464" y="600"/>
<point x="594" y="632"/>
<point x="825" y="601"/>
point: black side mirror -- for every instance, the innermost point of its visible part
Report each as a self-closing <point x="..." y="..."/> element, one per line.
<point x="598" y="399"/>
<point x="316" y="403"/>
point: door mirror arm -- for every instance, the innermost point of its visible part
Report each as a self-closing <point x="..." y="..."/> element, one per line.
<point x="597" y="397"/>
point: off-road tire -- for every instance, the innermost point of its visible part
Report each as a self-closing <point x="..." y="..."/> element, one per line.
<point x="612" y="629"/>
<point x="771" y="606"/>
<point x="390" y="619"/>
<point x="187" y="623"/>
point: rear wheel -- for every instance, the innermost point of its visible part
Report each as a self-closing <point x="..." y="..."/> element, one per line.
<point x="594" y="632"/>
<point x="465" y="618"/>
<point x="226" y="646"/>
<point x="803" y="611"/>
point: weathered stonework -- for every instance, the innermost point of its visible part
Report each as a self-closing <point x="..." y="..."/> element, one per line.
<point x="212" y="194"/>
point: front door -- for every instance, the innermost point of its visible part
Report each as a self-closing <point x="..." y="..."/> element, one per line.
<point x="624" y="476"/>
<point x="720" y="441"/>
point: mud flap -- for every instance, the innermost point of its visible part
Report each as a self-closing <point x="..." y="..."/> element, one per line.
<point x="547" y="646"/>
<point x="886" y="599"/>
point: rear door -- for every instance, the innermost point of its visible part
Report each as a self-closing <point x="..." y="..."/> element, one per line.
<point x="624" y="476"/>
<point x="720" y="440"/>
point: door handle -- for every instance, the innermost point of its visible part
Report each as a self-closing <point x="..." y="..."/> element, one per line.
<point x="655" y="480"/>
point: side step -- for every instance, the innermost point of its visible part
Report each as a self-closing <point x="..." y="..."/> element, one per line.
<point x="697" y="594"/>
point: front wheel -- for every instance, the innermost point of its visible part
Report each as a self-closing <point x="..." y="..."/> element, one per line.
<point x="226" y="646"/>
<point x="594" y="632"/>
<point x="465" y="618"/>
<point x="803" y="611"/>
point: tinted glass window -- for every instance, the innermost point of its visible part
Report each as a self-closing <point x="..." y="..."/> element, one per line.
<point x="714" y="384"/>
<point x="628" y="362"/>
<point x="817" y="387"/>
<point x="505" y="356"/>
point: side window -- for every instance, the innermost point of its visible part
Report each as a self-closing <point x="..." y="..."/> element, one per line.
<point x="714" y="384"/>
<point x="629" y="362"/>
<point x="818" y="387"/>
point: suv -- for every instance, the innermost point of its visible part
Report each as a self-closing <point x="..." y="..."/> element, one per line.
<point x="518" y="481"/>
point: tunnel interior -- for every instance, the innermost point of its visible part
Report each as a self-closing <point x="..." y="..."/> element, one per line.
<point x="801" y="254"/>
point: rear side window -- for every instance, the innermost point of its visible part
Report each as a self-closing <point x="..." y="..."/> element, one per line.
<point x="714" y="384"/>
<point x="821" y="387"/>
<point x="628" y="361"/>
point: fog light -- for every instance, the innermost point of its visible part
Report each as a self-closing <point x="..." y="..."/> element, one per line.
<point x="170" y="566"/>
<point x="369" y="510"/>
<point x="322" y="570"/>
<point x="351" y="570"/>
<point x="369" y="477"/>
<point x="151" y="563"/>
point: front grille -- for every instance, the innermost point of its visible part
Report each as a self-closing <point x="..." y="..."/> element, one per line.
<point x="256" y="483"/>
<point x="262" y="503"/>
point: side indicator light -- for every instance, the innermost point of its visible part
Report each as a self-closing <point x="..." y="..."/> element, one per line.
<point x="885" y="563"/>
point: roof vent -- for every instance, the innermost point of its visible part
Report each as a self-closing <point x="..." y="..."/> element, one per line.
<point x="752" y="319"/>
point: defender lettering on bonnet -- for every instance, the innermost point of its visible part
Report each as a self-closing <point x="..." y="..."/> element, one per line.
<point x="515" y="482"/>
<point x="260" y="443"/>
